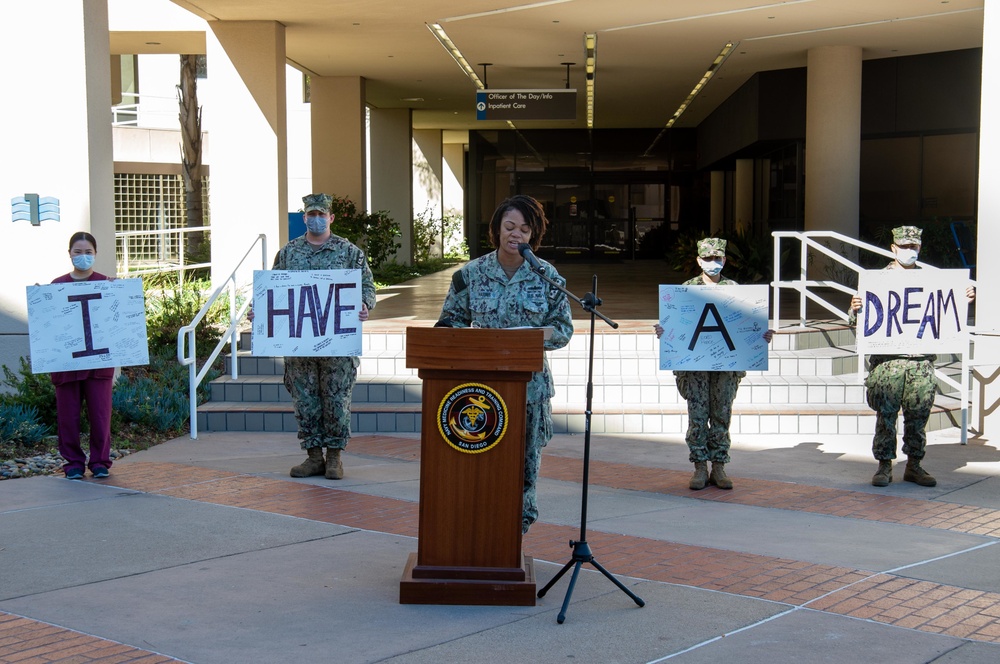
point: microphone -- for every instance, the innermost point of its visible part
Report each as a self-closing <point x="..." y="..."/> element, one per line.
<point x="525" y="250"/>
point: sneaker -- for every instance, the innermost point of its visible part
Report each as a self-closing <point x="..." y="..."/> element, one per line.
<point x="100" y="472"/>
<point x="74" y="474"/>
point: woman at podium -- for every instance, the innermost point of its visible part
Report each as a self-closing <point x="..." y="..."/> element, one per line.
<point x="501" y="290"/>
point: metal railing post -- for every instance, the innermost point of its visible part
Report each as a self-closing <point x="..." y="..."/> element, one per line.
<point x="229" y="336"/>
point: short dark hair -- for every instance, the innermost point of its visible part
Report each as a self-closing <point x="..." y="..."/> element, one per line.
<point x="533" y="214"/>
<point x="82" y="235"/>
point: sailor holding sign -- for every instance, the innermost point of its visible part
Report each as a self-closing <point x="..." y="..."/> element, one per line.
<point x="904" y="382"/>
<point x="709" y="394"/>
<point x="321" y="386"/>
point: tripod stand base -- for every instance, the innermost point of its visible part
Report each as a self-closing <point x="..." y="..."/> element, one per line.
<point x="582" y="554"/>
<point x="468" y="586"/>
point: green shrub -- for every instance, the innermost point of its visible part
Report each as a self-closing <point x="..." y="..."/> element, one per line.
<point x="749" y="259"/>
<point x="20" y="425"/>
<point x="32" y="391"/>
<point x="429" y="230"/>
<point x="376" y="233"/>
<point x="170" y="306"/>
<point x="150" y="403"/>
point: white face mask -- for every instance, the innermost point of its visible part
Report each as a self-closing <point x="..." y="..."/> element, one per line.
<point x="83" y="262"/>
<point x="711" y="267"/>
<point x="906" y="257"/>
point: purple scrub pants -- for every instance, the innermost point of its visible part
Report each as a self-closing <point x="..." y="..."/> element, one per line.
<point x="96" y="391"/>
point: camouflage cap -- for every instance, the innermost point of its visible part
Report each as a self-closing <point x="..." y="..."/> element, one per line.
<point x="317" y="202"/>
<point x="906" y="235"/>
<point x="711" y="246"/>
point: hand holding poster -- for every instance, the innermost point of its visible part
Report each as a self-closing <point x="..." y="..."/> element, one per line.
<point x="913" y="312"/>
<point x="307" y="313"/>
<point x="87" y="325"/>
<point x="713" y="328"/>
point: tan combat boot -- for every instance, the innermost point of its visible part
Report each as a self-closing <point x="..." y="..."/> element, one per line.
<point x="700" y="477"/>
<point x="334" y="466"/>
<point x="718" y="476"/>
<point x="883" y="476"/>
<point x="314" y="465"/>
<point x="914" y="473"/>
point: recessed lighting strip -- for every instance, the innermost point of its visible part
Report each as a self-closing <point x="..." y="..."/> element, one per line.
<point x="865" y="25"/>
<point x="453" y="51"/>
<point x="590" y="66"/>
<point x="713" y="14"/>
<point x="505" y="10"/>
<point x="709" y="73"/>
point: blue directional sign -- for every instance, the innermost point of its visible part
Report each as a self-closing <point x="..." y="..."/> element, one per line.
<point x="526" y="104"/>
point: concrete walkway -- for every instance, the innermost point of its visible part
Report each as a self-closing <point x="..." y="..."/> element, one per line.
<point x="206" y="551"/>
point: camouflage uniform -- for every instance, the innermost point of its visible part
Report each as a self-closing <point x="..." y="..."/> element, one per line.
<point x="900" y="381"/>
<point x="321" y="386"/>
<point x="482" y="296"/>
<point x="709" y="396"/>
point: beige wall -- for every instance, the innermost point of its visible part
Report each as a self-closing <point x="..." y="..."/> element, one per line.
<point x="338" y="137"/>
<point x="987" y="270"/>
<point x="53" y="146"/>
<point x="833" y="139"/>
<point x="392" y="171"/>
<point x="247" y="123"/>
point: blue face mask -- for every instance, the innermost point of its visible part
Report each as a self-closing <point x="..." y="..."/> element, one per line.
<point x="317" y="225"/>
<point x="83" y="262"/>
<point x="710" y="267"/>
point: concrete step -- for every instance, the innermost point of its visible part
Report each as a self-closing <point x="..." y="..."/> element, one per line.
<point x="660" y="388"/>
<point x="811" y="387"/>
<point x="372" y="417"/>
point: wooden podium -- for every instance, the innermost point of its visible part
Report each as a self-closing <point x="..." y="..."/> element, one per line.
<point x="471" y="466"/>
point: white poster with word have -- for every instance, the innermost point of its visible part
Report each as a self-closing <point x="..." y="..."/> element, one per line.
<point x="307" y="313"/>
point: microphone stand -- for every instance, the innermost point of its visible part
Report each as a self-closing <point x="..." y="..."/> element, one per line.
<point x="581" y="550"/>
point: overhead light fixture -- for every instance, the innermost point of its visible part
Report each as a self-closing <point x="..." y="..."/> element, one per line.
<point x="709" y="73"/>
<point x="449" y="46"/>
<point x="865" y="24"/>
<point x="725" y="12"/>
<point x="505" y="10"/>
<point x="590" y="66"/>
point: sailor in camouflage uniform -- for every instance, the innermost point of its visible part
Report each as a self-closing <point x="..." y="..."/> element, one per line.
<point x="709" y="394"/>
<point x="321" y="387"/>
<point x="904" y="382"/>
<point x="499" y="290"/>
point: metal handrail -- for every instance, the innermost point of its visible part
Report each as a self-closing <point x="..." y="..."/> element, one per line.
<point x="124" y="270"/>
<point x="190" y="360"/>
<point x="128" y="114"/>
<point x="809" y="240"/>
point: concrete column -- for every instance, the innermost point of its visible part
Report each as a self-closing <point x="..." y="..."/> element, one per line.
<point x="392" y="172"/>
<point x="246" y="120"/>
<point x="988" y="228"/>
<point x="743" y="207"/>
<point x="454" y="177"/>
<point x="427" y="182"/>
<point x="338" y="137"/>
<point x="717" y="213"/>
<point x="55" y="146"/>
<point x="833" y="139"/>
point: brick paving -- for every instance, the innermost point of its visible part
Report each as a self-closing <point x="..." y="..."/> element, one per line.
<point x="24" y="641"/>
<point x="858" y="593"/>
<point x="879" y="597"/>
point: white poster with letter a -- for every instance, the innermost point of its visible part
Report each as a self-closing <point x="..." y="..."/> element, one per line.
<point x="713" y="328"/>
